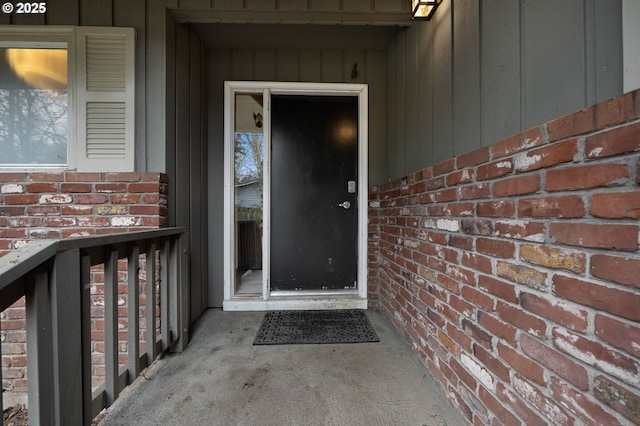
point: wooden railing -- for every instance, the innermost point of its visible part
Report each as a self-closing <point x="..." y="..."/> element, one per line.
<point x="55" y="277"/>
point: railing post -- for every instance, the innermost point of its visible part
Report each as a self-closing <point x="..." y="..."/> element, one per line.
<point x="165" y="267"/>
<point x="111" y="348"/>
<point x="150" y="303"/>
<point x="180" y="271"/>
<point x="85" y="300"/>
<point x="66" y="324"/>
<point x="133" y="309"/>
<point x="39" y="371"/>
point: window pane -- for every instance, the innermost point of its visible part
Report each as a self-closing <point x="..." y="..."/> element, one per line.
<point x="248" y="159"/>
<point x="33" y="107"/>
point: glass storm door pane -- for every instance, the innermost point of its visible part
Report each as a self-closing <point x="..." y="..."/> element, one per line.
<point x="248" y="192"/>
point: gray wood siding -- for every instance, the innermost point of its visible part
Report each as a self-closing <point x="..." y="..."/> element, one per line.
<point x="492" y="68"/>
<point x="313" y="65"/>
<point x="500" y="70"/>
<point x="219" y="70"/>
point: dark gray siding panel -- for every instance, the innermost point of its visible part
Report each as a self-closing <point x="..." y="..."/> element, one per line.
<point x="466" y="78"/>
<point x="399" y="143"/>
<point x="287" y="65"/>
<point x="392" y="102"/>
<point x="500" y="72"/>
<point x="411" y="102"/>
<point x="197" y="203"/>
<point x="96" y="12"/>
<point x="311" y="63"/>
<point x="553" y="59"/>
<point x="376" y="67"/>
<point x="492" y="68"/>
<point x="608" y="50"/>
<point x="351" y="58"/>
<point x="267" y="65"/>
<point x="27" y="19"/>
<point x="66" y="12"/>
<point x="442" y="89"/>
<point x="219" y="71"/>
<point x="330" y="67"/>
<point x="425" y="94"/>
<point x="242" y="64"/>
<point x="131" y="13"/>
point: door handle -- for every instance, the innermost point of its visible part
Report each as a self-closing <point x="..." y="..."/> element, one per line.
<point x="346" y="205"/>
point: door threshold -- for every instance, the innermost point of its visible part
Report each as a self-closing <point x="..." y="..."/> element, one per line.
<point x="290" y="303"/>
<point x="313" y="293"/>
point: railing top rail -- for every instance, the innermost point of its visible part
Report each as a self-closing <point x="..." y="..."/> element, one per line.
<point x="129" y="237"/>
<point x="21" y="261"/>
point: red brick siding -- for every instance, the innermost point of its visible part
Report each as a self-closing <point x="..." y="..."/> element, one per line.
<point x="69" y="204"/>
<point x="513" y="270"/>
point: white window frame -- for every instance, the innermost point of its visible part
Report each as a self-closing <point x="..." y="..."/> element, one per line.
<point x="74" y="39"/>
<point x="47" y="38"/>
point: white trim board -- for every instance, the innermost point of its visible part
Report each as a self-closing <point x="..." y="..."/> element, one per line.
<point x="348" y="299"/>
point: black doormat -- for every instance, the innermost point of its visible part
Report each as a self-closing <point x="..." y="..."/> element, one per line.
<point x="315" y="327"/>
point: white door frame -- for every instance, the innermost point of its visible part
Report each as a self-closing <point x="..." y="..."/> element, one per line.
<point x="317" y="299"/>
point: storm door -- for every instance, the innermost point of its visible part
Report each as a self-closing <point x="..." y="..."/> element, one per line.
<point x="314" y="209"/>
<point x="295" y="231"/>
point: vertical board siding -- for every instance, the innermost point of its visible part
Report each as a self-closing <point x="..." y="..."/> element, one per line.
<point x="495" y="68"/>
<point x="392" y="73"/>
<point x="63" y="12"/>
<point x="131" y="13"/>
<point x="219" y="71"/>
<point x="325" y="5"/>
<point x="349" y="59"/>
<point x="425" y="94"/>
<point x="357" y="5"/>
<point x="287" y="65"/>
<point x="267" y="69"/>
<point x="311" y="63"/>
<point x="331" y="66"/>
<point x="411" y="106"/>
<point x="242" y="64"/>
<point x="28" y="19"/>
<point x="96" y="12"/>
<point x="261" y="4"/>
<point x="552" y="67"/>
<point x="376" y="76"/>
<point x="466" y="78"/>
<point x="443" y="84"/>
<point x="608" y="50"/>
<point x="391" y="6"/>
<point x="398" y="140"/>
<point x="500" y="69"/>
<point x="197" y="203"/>
<point x="293" y="5"/>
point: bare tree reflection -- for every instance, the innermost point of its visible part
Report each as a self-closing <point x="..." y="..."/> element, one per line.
<point x="33" y="121"/>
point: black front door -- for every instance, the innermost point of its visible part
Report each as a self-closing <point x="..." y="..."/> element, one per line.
<point x="314" y="215"/>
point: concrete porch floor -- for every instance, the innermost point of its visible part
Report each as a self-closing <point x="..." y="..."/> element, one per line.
<point x="222" y="379"/>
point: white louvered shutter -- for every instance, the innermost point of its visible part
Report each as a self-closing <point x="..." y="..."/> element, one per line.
<point x="105" y="136"/>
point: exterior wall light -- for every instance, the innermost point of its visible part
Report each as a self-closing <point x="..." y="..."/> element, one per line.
<point x="424" y="10"/>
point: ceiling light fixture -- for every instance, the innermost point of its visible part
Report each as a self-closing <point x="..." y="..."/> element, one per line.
<point x="424" y="10"/>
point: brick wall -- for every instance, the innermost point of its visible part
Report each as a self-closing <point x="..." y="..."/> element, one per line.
<point x="514" y="270"/>
<point x="65" y="205"/>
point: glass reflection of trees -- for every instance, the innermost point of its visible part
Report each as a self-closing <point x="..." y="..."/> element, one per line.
<point x="249" y="149"/>
<point x="33" y="121"/>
